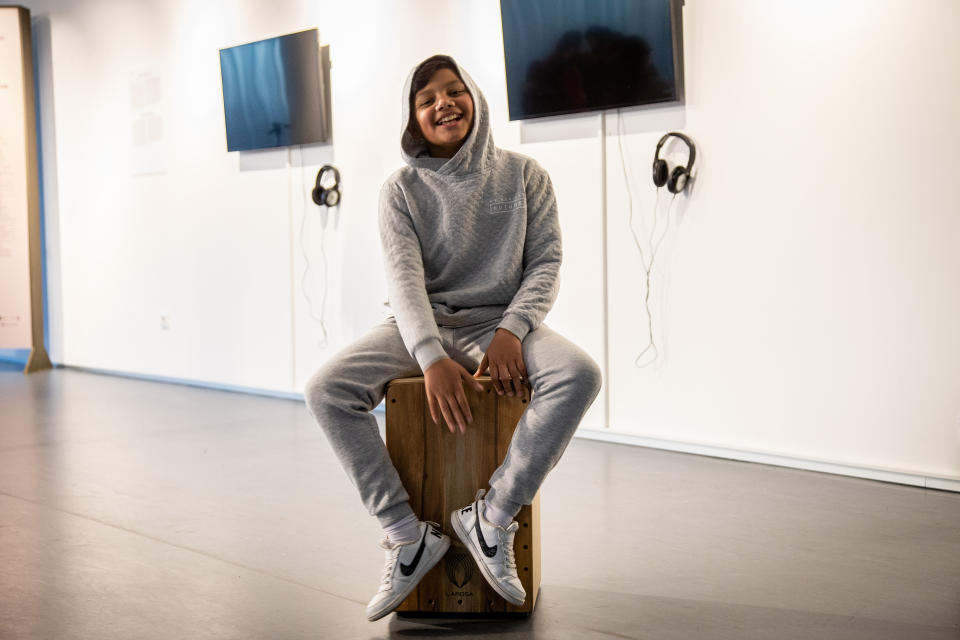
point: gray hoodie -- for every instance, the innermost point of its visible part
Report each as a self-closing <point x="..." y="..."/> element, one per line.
<point x="467" y="239"/>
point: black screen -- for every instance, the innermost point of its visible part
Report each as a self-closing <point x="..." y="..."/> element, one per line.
<point x="272" y="92"/>
<point x="566" y="56"/>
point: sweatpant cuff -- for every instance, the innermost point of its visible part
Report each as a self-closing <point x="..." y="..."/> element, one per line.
<point x="393" y="514"/>
<point x="505" y="505"/>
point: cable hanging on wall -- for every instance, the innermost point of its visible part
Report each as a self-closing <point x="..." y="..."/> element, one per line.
<point x="675" y="182"/>
<point x="322" y="343"/>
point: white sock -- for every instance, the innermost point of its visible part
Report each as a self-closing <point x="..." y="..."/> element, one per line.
<point x="497" y="517"/>
<point x="403" y="531"/>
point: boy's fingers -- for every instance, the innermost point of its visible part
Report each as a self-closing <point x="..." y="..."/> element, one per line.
<point x="464" y="407"/>
<point x="483" y="365"/>
<point x="516" y="378"/>
<point x="495" y="378"/>
<point x="507" y="379"/>
<point x="447" y="416"/>
<point x="473" y="380"/>
<point x="455" y="417"/>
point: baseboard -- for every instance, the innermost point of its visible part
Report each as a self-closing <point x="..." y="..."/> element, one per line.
<point x="823" y="466"/>
<point x="286" y="395"/>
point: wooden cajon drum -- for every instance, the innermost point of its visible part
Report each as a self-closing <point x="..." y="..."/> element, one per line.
<point x="442" y="471"/>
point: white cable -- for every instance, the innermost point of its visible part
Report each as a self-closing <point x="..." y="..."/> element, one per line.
<point x="626" y="179"/>
<point x="322" y="343"/>
<point x="648" y="268"/>
<point x="652" y="344"/>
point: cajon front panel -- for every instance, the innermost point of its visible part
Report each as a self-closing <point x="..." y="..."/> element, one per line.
<point x="442" y="471"/>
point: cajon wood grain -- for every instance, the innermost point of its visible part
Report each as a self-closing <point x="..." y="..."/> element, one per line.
<point x="442" y="471"/>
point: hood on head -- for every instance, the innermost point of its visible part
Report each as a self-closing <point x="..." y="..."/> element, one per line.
<point x="476" y="152"/>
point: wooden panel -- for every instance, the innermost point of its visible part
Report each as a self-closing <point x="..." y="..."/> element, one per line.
<point x="38" y="359"/>
<point x="435" y="469"/>
<point x="446" y="476"/>
<point x="405" y="438"/>
<point x="405" y="409"/>
<point x="475" y="457"/>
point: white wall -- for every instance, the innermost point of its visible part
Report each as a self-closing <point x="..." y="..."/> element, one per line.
<point x="809" y="294"/>
<point x="804" y="299"/>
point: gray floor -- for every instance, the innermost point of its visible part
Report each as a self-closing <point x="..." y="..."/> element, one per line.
<point x="133" y="509"/>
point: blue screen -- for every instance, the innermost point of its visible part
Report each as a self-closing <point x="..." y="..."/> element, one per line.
<point x="272" y="92"/>
<point x="565" y="56"/>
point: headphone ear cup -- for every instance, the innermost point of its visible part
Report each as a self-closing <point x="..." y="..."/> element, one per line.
<point x="331" y="197"/>
<point x="660" y="172"/>
<point x="678" y="180"/>
<point x="317" y="195"/>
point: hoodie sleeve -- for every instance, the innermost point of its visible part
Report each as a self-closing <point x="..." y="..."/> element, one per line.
<point x="541" y="258"/>
<point x="406" y="291"/>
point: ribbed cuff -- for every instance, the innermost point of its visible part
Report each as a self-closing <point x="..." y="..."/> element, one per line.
<point x="394" y="514"/>
<point x="515" y="325"/>
<point x="507" y="506"/>
<point x="428" y="353"/>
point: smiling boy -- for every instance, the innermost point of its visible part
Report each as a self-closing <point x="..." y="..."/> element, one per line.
<point x="472" y="250"/>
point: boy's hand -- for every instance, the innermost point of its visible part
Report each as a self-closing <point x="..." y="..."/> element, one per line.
<point x="444" y="383"/>
<point x="504" y="357"/>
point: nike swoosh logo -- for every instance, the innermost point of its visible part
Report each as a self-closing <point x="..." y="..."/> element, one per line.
<point x="487" y="551"/>
<point x="407" y="569"/>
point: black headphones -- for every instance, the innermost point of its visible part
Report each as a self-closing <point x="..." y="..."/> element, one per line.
<point x="327" y="196"/>
<point x="679" y="177"/>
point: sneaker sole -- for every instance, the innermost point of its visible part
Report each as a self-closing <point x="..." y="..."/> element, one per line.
<point x="426" y="563"/>
<point x="490" y="578"/>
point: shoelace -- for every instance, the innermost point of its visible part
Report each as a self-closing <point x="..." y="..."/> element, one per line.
<point x="508" y="557"/>
<point x="386" y="580"/>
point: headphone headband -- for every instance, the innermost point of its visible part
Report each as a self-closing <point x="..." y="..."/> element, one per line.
<point x="336" y="175"/>
<point x="686" y="140"/>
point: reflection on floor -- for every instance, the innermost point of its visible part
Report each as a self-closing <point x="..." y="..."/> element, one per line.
<point x="133" y="509"/>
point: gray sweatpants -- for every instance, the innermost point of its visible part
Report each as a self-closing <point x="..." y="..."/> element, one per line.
<point x="565" y="382"/>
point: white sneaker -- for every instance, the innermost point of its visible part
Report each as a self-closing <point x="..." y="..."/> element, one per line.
<point x="406" y="565"/>
<point x="491" y="547"/>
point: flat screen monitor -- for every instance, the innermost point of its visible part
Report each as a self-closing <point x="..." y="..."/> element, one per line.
<point x="276" y="92"/>
<point x="569" y="56"/>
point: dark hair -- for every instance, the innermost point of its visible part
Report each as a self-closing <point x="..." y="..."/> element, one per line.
<point x="421" y="77"/>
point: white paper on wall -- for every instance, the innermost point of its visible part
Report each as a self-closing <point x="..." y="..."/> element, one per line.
<point x="15" y="312"/>
<point x="147" y="153"/>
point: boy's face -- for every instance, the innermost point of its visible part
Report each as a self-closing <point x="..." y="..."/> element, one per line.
<point x="444" y="111"/>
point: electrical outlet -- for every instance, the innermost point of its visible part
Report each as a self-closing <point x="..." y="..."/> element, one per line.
<point x="165" y="321"/>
